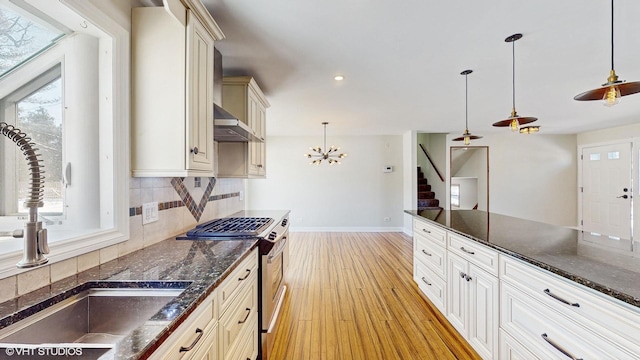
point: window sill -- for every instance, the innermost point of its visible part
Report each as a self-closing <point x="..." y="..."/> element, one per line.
<point x="63" y="245"/>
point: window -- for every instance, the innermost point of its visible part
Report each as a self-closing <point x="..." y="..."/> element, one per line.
<point x="455" y="195"/>
<point x="38" y="114"/>
<point x="23" y="35"/>
<point x="65" y="83"/>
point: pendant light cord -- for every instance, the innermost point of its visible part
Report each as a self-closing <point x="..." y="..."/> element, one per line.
<point x="612" y="68"/>
<point x="513" y="78"/>
<point x="466" y="102"/>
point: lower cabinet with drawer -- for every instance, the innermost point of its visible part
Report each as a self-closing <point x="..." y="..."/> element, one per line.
<point x="472" y="304"/>
<point x="509" y="309"/>
<point x="459" y="277"/>
<point x="196" y="337"/>
<point x="225" y="325"/>
<point x="554" y="318"/>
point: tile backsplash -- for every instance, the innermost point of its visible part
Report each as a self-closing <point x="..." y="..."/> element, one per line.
<point x="182" y="203"/>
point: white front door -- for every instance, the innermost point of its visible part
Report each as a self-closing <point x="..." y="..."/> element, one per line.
<point x="607" y="192"/>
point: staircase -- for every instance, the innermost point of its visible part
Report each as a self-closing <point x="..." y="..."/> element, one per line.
<point x="426" y="198"/>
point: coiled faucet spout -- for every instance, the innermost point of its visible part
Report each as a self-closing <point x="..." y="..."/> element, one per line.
<point x="35" y="237"/>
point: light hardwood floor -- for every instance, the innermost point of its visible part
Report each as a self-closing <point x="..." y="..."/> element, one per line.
<point x="352" y="296"/>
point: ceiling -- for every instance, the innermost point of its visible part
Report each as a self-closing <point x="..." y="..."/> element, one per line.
<point x="402" y="62"/>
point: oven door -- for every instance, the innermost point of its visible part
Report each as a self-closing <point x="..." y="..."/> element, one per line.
<point x="274" y="265"/>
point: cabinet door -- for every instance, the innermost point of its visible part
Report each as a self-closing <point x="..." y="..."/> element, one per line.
<point x="199" y="95"/>
<point x="254" y="123"/>
<point x="262" y="165"/>
<point x="511" y="349"/>
<point x="457" y="293"/>
<point x="483" y="312"/>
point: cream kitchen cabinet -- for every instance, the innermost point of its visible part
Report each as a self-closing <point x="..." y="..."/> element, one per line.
<point x="172" y="91"/>
<point x="238" y="321"/>
<point x="429" y="262"/>
<point x="555" y="319"/>
<point x="225" y="325"/>
<point x="242" y="97"/>
<point x="196" y="338"/>
<point x="472" y="304"/>
<point x="459" y="277"/>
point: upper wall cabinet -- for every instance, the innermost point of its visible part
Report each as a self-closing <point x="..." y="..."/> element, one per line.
<point x="243" y="98"/>
<point x="172" y="90"/>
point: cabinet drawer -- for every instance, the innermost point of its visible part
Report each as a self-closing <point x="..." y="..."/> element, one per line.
<point x="550" y="335"/>
<point x="239" y="317"/>
<point x="474" y="252"/>
<point x="511" y="349"/>
<point x="572" y="299"/>
<point x="238" y="278"/>
<point x="247" y="346"/>
<point x="429" y="231"/>
<point x="200" y="324"/>
<point x="431" y="285"/>
<point x="432" y="255"/>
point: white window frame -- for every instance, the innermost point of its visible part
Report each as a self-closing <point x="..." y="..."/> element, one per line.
<point x="113" y="148"/>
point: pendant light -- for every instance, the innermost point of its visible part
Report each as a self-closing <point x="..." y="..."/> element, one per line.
<point x="329" y="154"/>
<point x="466" y="136"/>
<point x="529" y="129"/>
<point x="611" y="91"/>
<point x="515" y="120"/>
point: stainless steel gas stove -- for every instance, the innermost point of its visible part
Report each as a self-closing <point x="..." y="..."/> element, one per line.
<point x="274" y="260"/>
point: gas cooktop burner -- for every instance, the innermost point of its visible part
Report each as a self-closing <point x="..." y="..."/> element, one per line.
<point x="231" y="227"/>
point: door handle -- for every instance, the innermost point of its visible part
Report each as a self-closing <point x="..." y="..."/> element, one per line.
<point x="625" y="196"/>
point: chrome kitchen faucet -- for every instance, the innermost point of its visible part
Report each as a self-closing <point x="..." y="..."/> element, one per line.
<point x="35" y="237"/>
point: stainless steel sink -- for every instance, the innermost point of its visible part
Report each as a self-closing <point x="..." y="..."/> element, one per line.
<point x="94" y="319"/>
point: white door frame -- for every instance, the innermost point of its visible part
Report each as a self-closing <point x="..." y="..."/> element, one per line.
<point x="635" y="167"/>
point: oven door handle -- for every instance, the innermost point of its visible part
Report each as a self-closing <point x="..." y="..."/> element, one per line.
<point x="277" y="250"/>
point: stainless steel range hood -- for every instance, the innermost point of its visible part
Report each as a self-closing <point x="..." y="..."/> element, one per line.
<point x="227" y="126"/>
<point x="229" y="129"/>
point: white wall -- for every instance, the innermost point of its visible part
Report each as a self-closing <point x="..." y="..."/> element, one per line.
<point x="409" y="178"/>
<point x="532" y="176"/>
<point x="355" y="195"/>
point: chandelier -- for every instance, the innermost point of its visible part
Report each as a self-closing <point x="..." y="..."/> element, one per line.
<point x="329" y="154"/>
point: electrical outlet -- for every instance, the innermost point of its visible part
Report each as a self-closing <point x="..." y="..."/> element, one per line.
<point x="241" y="195"/>
<point x="387" y="219"/>
<point x="149" y="212"/>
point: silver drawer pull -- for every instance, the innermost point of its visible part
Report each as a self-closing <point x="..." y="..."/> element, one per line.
<point x="246" y="317"/>
<point x="427" y="231"/>
<point x="425" y="281"/>
<point x="559" y="348"/>
<point x="462" y="275"/>
<point x="193" y="344"/>
<point x="426" y="253"/>
<point x="548" y="292"/>
<point x="246" y="276"/>
<point x="467" y="251"/>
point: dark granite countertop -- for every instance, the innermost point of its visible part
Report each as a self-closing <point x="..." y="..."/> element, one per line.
<point x="200" y="266"/>
<point x="606" y="264"/>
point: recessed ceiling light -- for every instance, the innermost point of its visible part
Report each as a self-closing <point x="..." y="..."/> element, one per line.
<point x="338" y="77"/>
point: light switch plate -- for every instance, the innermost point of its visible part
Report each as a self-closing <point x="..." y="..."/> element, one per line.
<point x="149" y="212"/>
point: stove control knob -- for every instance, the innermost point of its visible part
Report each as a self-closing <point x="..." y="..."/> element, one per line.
<point x="284" y="222"/>
<point x="272" y="235"/>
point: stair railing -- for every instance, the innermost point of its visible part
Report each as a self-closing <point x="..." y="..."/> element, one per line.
<point x="431" y="161"/>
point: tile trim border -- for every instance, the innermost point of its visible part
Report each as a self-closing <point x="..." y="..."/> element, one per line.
<point x="196" y="209"/>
